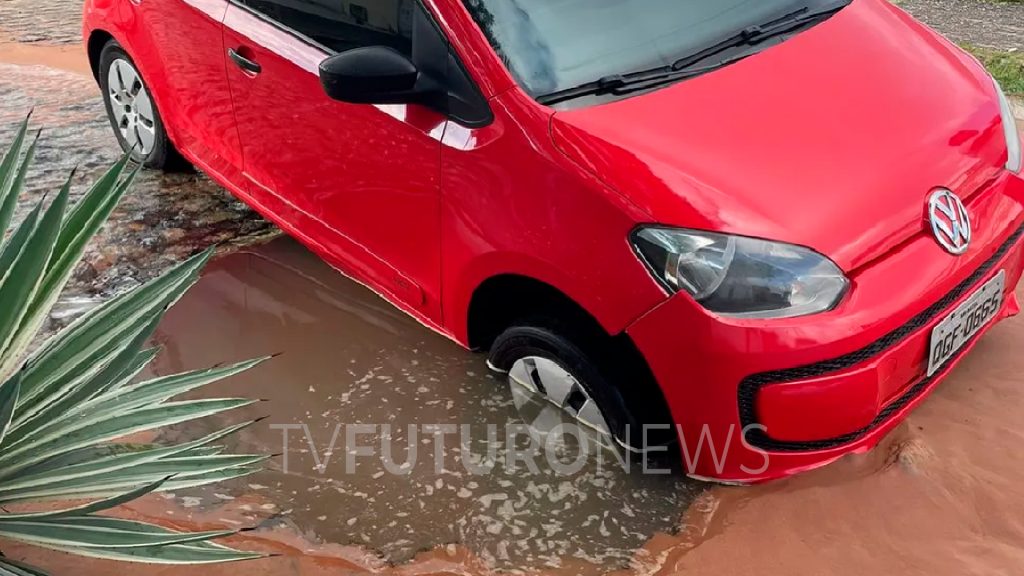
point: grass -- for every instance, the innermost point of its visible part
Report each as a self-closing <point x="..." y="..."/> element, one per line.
<point x="1007" y="67"/>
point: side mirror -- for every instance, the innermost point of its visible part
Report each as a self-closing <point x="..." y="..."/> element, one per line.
<point x="370" y="75"/>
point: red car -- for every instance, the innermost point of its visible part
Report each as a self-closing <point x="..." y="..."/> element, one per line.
<point x="774" y="225"/>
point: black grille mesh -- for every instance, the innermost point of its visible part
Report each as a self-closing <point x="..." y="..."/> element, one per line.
<point x="752" y="384"/>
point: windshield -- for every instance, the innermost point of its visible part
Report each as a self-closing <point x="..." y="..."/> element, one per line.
<point x="554" y="45"/>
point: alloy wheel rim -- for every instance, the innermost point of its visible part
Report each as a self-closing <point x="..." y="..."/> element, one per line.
<point x="545" y="378"/>
<point x="132" y="107"/>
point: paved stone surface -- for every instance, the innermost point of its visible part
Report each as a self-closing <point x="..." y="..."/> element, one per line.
<point x="986" y="23"/>
<point x="55" y="21"/>
<point x="162" y="220"/>
<point x="165" y="218"/>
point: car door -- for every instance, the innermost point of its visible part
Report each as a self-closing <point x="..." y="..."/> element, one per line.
<point x="179" y="48"/>
<point x="359" y="183"/>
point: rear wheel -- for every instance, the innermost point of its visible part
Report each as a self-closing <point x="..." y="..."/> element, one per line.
<point x="133" y="113"/>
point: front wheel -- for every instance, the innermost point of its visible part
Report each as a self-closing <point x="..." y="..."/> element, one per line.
<point x="567" y="372"/>
<point x="133" y="114"/>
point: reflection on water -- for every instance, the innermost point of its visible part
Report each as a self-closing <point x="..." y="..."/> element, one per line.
<point x="348" y="358"/>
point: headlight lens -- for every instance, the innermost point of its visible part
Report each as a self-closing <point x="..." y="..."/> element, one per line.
<point x="1012" y="136"/>
<point x="739" y="276"/>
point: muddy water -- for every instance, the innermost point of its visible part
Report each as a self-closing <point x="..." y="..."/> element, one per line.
<point x="347" y="358"/>
<point x="69" y="57"/>
<point x="940" y="495"/>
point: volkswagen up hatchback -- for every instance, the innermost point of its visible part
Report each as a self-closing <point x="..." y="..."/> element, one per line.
<point x="771" y="227"/>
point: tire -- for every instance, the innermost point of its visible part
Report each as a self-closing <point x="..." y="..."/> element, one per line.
<point x="584" y="359"/>
<point x="133" y="114"/>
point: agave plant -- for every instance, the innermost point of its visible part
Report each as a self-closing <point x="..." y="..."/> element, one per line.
<point x="64" y="406"/>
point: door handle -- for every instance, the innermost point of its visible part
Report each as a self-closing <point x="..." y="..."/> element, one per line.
<point x="244" y="63"/>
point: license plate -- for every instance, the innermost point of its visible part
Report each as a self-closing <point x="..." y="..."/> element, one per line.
<point x="957" y="329"/>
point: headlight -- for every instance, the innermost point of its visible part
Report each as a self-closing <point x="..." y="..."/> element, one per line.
<point x="741" y="277"/>
<point x="1012" y="136"/>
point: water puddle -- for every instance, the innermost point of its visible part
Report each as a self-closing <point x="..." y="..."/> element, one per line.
<point x="67" y="57"/>
<point x="347" y="358"/>
<point x="939" y="496"/>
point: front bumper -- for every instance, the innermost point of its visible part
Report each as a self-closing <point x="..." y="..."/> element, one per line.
<point x="758" y="400"/>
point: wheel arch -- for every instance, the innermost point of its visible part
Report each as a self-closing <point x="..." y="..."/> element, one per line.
<point x="98" y="38"/>
<point x="612" y="301"/>
<point x="504" y="298"/>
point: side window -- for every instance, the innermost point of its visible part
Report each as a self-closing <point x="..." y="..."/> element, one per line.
<point x="341" y="25"/>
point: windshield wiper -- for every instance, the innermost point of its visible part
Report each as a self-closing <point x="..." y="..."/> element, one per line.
<point x="754" y="35"/>
<point x="620" y="84"/>
<point x="685" y="68"/>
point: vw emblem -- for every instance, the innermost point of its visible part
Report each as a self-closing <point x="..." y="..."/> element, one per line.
<point x="951" y="223"/>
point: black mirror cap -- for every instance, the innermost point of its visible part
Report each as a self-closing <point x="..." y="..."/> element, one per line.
<point x="370" y="75"/>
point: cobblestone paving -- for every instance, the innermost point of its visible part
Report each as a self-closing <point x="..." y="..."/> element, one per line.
<point x="54" y="21"/>
<point x="986" y="23"/>
<point x="165" y="218"/>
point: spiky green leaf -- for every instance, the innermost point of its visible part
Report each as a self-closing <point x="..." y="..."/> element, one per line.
<point x="20" y="286"/>
<point x="90" y="508"/>
<point x="107" y="460"/>
<point x="18" y="184"/>
<point x="16" y="243"/>
<point x="61" y="411"/>
<point x="107" y="328"/>
<point x="35" y="450"/>
<point x="105" y="368"/>
<point x="176" y="554"/>
<point x="8" y="172"/>
<point x="9" y="392"/>
<point x="121" y="401"/>
<point x="103" y="488"/>
<point x="121" y="534"/>
<point x="65" y="255"/>
<point x="89" y="214"/>
<point x="203" y="552"/>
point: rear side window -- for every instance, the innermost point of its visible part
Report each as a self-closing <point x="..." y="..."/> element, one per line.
<point x="341" y="25"/>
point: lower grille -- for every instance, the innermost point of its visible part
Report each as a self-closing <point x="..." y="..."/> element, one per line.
<point x="750" y="386"/>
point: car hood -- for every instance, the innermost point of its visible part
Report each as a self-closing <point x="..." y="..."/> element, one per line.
<point x="832" y="140"/>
